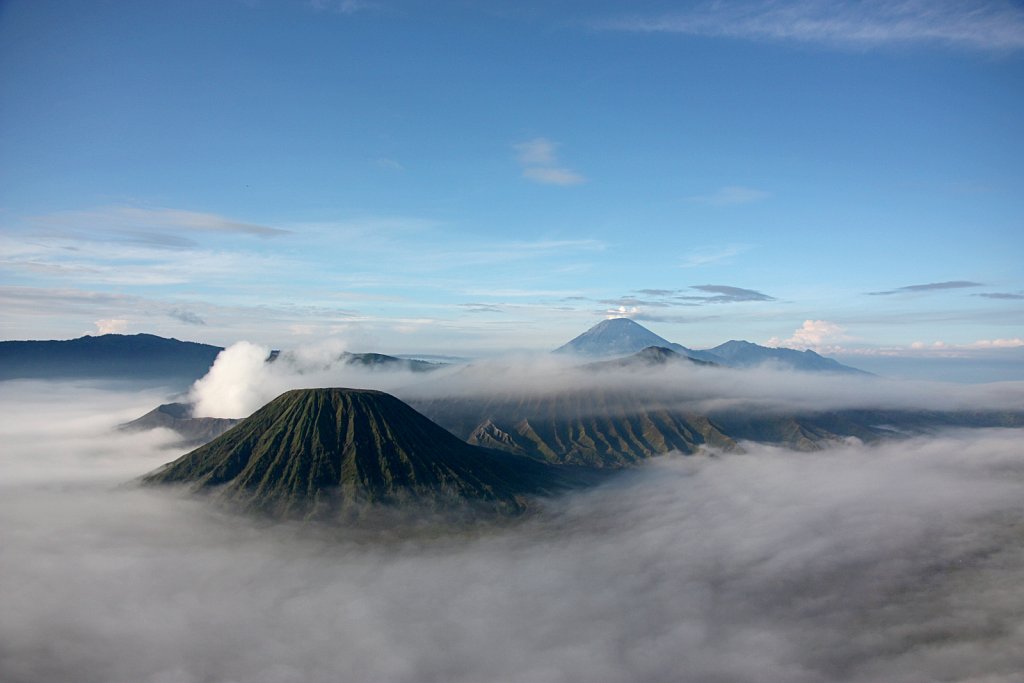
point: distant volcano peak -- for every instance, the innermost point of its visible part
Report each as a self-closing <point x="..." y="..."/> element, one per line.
<point x="614" y="337"/>
<point x="617" y="337"/>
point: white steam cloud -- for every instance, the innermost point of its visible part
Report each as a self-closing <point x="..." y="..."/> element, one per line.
<point x="242" y="379"/>
<point x="237" y="383"/>
<point x="897" y="563"/>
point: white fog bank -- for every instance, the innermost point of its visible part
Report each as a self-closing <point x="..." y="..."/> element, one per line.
<point x="240" y="381"/>
<point x="896" y="563"/>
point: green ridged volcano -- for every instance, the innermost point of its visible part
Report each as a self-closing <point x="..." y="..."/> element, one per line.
<point x="313" y="452"/>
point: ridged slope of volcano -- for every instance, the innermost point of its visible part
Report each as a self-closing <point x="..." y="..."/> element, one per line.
<point x="317" y="451"/>
<point x="621" y="337"/>
<point x="595" y="428"/>
<point x="616" y="427"/>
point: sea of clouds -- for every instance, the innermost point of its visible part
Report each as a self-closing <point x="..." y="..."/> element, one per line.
<point x="899" y="562"/>
<point x="241" y="380"/>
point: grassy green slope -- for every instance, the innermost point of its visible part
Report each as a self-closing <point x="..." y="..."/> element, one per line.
<point x="314" y="450"/>
<point x="593" y="428"/>
<point x="614" y="428"/>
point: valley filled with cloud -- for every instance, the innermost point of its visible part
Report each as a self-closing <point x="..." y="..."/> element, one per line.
<point x="897" y="561"/>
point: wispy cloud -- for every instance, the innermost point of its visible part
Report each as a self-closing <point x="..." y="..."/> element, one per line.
<point x="704" y="256"/>
<point x="989" y="25"/>
<point x="659" y="318"/>
<point x="553" y="176"/>
<point x="929" y="287"/>
<point x="388" y="163"/>
<point x="554" y="245"/>
<point x="482" y="308"/>
<point x="639" y="307"/>
<point x="151" y="223"/>
<point x="186" y="316"/>
<point x="633" y="302"/>
<point x="70" y="312"/>
<point x="526" y="293"/>
<point x="1001" y="295"/>
<point x="540" y="163"/>
<point x="730" y="196"/>
<point x="477" y="254"/>
<point x="981" y="344"/>
<point x="724" y="294"/>
<point x="134" y="265"/>
<point x="536" y="152"/>
<point x="828" y="337"/>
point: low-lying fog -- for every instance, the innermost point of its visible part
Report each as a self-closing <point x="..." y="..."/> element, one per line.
<point x="241" y="381"/>
<point x="901" y="562"/>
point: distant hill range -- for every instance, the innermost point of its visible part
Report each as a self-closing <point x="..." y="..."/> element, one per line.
<point x="622" y="336"/>
<point x="109" y="356"/>
<point x="177" y="417"/>
<point x="334" y="452"/>
<point x="325" y="452"/>
<point x="652" y="356"/>
<point x="383" y="362"/>
<point x="145" y="357"/>
<point x="618" y="423"/>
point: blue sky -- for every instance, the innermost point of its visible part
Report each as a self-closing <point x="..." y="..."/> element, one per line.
<point x="465" y="177"/>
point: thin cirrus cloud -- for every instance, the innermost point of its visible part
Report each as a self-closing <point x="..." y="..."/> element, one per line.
<point x="724" y="294"/>
<point x="987" y="25"/>
<point x="388" y="164"/>
<point x="539" y="160"/>
<point x="705" y="256"/>
<point x="637" y="308"/>
<point x="669" y="298"/>
<point x="134" y="265"/>
<point x="631" y="302"/>
<point x="928" y="287"/>
<point x="133" y="220"/>
<point x="481" y="308"/>
<point x="1009" y="296"/>
<point x="553" y="176"/>
<point x="25" y="307"/>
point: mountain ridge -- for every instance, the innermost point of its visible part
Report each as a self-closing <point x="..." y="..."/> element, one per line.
<point x="744" y="354"/>
<point x="624" y="336"/>
<point x="194" y="431"/>
<point x="108" y="356"/>
<point x="333" y="451"/>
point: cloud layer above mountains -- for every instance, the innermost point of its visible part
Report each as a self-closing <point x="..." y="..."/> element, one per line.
<point x="897" y="563"/>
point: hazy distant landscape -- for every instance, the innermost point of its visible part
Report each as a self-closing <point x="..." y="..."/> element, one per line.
<point x="810" y="555"/>
<point x="509" y="340"/>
